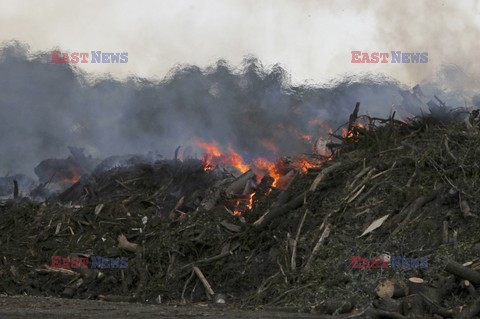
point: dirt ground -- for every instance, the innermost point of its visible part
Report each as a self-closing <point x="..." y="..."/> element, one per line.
<point x="48" y="307"/>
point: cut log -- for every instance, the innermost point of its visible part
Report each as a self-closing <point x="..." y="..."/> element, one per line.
<point x="468" y="287"/>
<point x="416" y="285"/>
<point x="463" y="272"/>
<point x="391" y="289"/>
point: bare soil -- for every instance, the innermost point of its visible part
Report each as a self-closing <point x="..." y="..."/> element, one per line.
<point x="48" y="307"/>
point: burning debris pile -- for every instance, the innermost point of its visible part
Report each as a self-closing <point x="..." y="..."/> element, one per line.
<point x="381" y="223"/>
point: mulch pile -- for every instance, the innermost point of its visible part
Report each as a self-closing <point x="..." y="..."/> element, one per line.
<point x="392" y="189"/>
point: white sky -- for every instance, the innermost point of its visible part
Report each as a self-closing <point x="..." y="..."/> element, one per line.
<point x="312" y="39"/>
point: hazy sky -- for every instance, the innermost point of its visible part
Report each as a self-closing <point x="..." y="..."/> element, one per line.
<point x="312" y="39"/>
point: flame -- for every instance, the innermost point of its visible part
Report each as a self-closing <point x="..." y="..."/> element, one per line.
<point x="75" y="178"/>
<point x="271" y="168"/>
<point x="237" y="160"/>
<point x="249" y="204"/>
<point x="283" y="171"/>
<point x="208" y="168"/>
<point x="352" y="134"/>
<point x="346" y="133"/>
<point x="211" y="149"/>
<point x="250" y="201"/>
<point x="303" y="164"/>
<point x="236" y="212"/>
<point x="260" y="166"/>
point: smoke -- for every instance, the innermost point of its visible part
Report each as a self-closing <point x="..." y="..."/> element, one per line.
<point x="447" y="30"/>
<point x="46" y="107"/>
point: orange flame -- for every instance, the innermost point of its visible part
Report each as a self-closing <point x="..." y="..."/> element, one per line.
<point x="260" y="166"/>
<point x="211" y="149"/>
<point x="250" y="201"/>
<point x="249" y="204"/>
<point x="75" y="178"/>
<point x="303" y="164"/>
<point x="270" y="167"/>
<point x="352" y="134"/>
<point x="237" y="160"/>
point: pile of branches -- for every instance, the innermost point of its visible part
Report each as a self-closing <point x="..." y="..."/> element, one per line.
<point x="393" y="188"/>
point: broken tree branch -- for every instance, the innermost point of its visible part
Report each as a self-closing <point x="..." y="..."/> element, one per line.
<point x="293" y="262"/>
<point x="204" y="280"/>
<point x="325" y="234"/>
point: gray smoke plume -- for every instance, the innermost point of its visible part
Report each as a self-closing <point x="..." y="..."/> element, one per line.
<point x="47" y="107"/>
